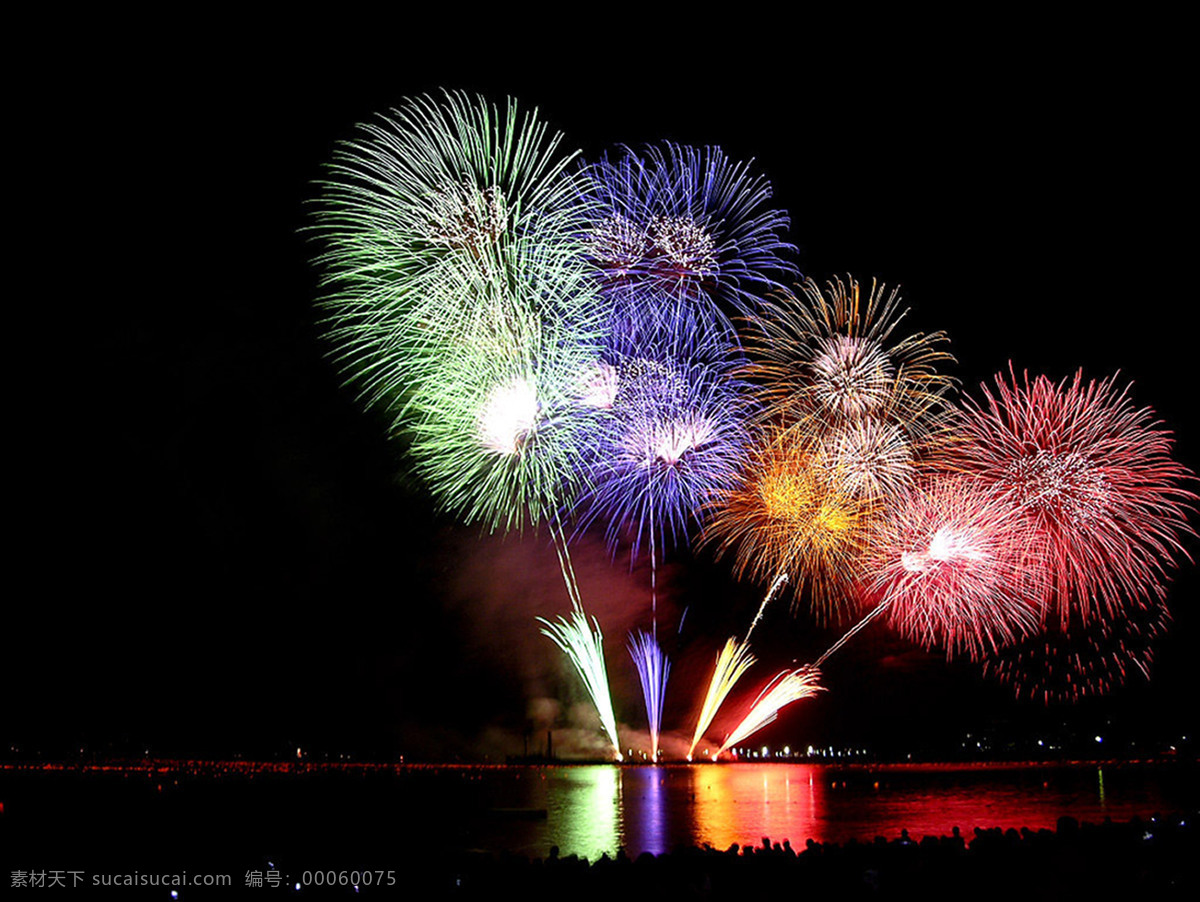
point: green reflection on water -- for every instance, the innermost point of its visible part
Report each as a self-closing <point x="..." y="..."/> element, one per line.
<point x="585" y="810"/>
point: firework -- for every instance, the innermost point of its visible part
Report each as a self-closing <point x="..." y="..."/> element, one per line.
<point x="677" y="231"/>
<point x="869" y="458"/>
<point x="732" y="661"/>
<point x="785" y="688"/>
<point x="498" y="430"/>
<point x="440" y="220"/>
<point x="832" y="359"/>
<point x="583" y="645"/>
<point x="1057" y="665"/>
<point x="1096" y="482"/>
<point x="653" y="669"/>
<point x="787" y="517"/>
<point x="671" y="440"/>
<point x="955" y="567"/>
<point x="848" y="412"/>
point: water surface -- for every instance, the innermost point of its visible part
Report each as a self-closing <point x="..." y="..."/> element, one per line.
<point x="596" y="809"/>
<point x="359" y="814"/>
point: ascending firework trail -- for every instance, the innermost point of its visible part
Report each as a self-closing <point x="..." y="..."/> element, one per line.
<point x="732" y="661"/>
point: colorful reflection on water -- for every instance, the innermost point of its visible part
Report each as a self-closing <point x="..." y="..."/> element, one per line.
<point x="597" y="809"/>
<point x="586" y="810"/>
<point x="745" y="803"/>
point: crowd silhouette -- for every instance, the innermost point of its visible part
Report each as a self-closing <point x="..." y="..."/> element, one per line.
<point x="1154" y="857"/>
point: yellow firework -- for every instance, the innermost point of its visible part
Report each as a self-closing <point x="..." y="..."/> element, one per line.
<point x="734" y="659"/>
<point x="794" y="516"/>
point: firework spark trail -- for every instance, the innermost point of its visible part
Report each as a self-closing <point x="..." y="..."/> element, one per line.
<point x="651" y="662"/>
<point x="785" y="688"/>
<point x="583" y="644"/>
<point x="732" y="661"/>
<point x="653" y="557"/>
<point x="559" y="540"/>
<point x="653" y="668"/>
<point x="776" y="585"/>
<point x="853" y="631"/>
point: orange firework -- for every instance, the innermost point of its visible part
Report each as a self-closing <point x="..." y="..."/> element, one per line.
<point x="832" y="358"/>
<point x="792" y="516"/>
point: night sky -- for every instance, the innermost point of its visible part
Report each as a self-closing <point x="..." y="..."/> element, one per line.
<point x="217" y="551"/>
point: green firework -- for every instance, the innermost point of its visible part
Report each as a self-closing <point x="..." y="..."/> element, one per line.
<point x="430" y="217"/>
<point x="458" y="294"/>
<point x="498" y="428"/>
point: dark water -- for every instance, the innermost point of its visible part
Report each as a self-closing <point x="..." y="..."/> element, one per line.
<point x="590" y="810"/>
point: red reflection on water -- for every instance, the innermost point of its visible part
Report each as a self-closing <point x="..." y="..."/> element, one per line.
<point x="743" y="803"/>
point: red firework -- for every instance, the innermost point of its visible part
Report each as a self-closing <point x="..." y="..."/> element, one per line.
<point x="952" y="563"/>
<point x="1094" y="478"/>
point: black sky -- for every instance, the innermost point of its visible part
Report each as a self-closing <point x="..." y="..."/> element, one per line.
<point x="216" y="550"/>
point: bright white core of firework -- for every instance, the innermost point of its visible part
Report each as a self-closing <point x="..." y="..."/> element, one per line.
<point x="508" y="416"/>
<point x="948" y="546"/>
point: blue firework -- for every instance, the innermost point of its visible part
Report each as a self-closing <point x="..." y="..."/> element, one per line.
<point x="653" y="670"/>
<point x="670" y="436"/>
<point x="680" y="234"/>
